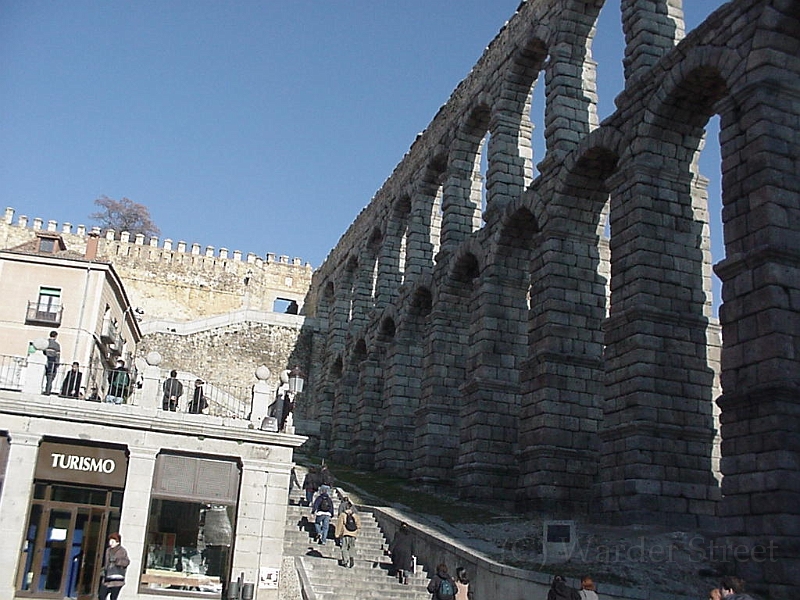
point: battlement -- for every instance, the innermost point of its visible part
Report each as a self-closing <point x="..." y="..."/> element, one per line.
<point x="76" y="237"/>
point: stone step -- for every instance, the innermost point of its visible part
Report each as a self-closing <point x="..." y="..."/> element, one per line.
<point x="368" y="578"/>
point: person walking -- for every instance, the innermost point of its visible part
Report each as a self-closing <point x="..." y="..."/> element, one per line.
<point x="311" y="483"/>
<point x="347" y="527"/>
<point x="114" y="567"/>
<point x="53" y="354"/>
<point x="322" y="511"/>
<point x="559" y="590"/>
<point x="732" y="588"/>
<point x="588" y="590"/>
<point x="441" y="586"/>
<point x="173" y="390"/>
<point x="462" y="582"/>
<point x="402" y="551"/>
<point x="71" y="386"/>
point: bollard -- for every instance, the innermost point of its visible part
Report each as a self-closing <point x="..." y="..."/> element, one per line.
<point x="233" y="590"/>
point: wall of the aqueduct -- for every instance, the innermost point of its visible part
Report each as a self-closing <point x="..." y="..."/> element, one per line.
<point x="552" y="337"/>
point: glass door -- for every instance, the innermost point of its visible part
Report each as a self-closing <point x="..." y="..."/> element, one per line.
<point x="56" y="553"/>
<point x="90" y="528"/>
<point x="64" y="546"/>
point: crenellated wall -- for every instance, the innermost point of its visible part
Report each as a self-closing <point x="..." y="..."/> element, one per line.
<point x="179" y="281"/>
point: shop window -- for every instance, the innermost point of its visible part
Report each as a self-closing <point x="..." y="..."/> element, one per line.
<point x="191" y="525"/>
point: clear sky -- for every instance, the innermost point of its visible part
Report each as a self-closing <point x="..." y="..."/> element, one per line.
<point x="254" y="125"/>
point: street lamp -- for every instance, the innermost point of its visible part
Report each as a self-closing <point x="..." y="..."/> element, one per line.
<point x="296" y="380"/>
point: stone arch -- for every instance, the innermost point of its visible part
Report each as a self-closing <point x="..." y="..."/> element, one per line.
<point x="426" y="217"/>
<point x="391" y="258"/>
<point x="511" y="126"/>
<point x="436" y="426"/>
<point x="465" y="264"/>
<point x="487" y="466"/>
<point x="461" y="201"/>
<point x="561" y="378"/>
<point x="660" y="307"/>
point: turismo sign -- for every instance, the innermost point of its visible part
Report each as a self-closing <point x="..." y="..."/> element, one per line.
<point x="92" y="465"/>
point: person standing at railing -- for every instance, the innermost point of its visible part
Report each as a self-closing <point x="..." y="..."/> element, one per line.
<point x="173" y="390"/>
<point x="71" y="386"/>
<point x="53" y="354"/>
<point x="198" y="403"/>
<point x="119" y="382"/>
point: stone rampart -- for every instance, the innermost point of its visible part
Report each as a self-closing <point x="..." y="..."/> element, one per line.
<point x="179" y="281"/>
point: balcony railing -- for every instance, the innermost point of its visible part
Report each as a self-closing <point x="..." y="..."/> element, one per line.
<point x="43" y="315"/>
<point x="96" y="384"/>
<point x="11" y="369"/>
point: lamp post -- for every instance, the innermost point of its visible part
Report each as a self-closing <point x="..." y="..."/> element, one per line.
<point x="296" y="380"/>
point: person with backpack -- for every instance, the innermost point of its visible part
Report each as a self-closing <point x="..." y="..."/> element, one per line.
<point x="402" y="551"/>
<point x="322" y="511"/>
<point x="441" y="586"/>
<point x="347" y="527"/>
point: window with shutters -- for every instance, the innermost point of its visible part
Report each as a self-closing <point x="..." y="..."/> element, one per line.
<point x="192" y="524"/>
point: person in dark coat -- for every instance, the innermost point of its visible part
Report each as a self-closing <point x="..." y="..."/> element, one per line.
<point x="198" y="403"/>
<point x="311" y="483"/>
<point x="71" y="386"/>
<point x="173" y="390"/>
<point x="114" y="567"/>
<point x="559" y="590"/>
<point x="402" y="551"/>
<point x="732" y="588"/>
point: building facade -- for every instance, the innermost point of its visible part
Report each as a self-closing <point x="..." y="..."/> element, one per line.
<point x="47" y="288"/>
<point x="198" y="500"/>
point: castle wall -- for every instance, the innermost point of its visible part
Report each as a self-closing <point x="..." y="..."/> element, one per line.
<point x="179" y="282"/>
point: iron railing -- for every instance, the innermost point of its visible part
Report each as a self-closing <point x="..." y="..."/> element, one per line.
<point x="43" y="315"/>
<point x="11" y="369"/>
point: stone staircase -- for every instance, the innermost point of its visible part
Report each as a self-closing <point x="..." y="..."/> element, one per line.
<point x="322" y="578"/>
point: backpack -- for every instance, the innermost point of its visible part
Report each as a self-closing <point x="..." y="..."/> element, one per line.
<point x="350" y="522"/>
<point x="325" y="504"/>
<point x="446" y="590"/>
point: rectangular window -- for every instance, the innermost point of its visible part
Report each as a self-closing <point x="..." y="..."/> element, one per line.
<point x="47" y="308"/>
<point x="47" y="245"/>
<point x="191" y="525"/>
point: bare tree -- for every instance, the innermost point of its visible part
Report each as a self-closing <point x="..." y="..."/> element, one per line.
<point x="124" y="215"/>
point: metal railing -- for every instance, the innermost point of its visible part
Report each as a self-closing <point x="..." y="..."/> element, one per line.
<point x="11" y="369"/>
<point x="222" y="400"/>
<point x="47" y="315"/>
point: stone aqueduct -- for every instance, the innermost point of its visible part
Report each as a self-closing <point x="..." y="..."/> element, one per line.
<point x="552" y="340"/>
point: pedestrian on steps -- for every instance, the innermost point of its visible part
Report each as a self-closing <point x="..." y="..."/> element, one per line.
<point x="462" y="582"/>
<point x="322" y="511"/>
<point x="347" y="527"/>
<point x="402" y="551"/>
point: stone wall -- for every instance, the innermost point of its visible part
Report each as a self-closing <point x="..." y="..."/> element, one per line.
<point x="553" y="338"/>
<point x="179" y="282"/>
<point x="229" y="355"/>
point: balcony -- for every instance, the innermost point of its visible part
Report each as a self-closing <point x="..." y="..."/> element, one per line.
<point x="39" y="314"/>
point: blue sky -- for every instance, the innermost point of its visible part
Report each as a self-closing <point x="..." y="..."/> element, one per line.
<point x="257" y="125"/>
